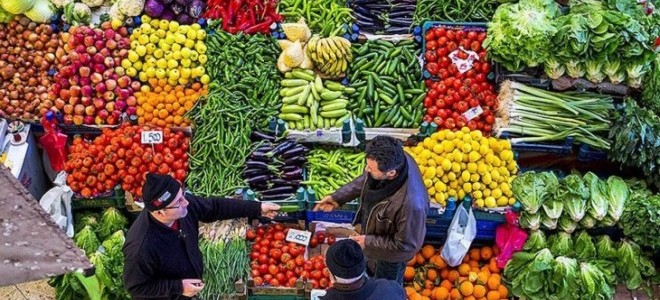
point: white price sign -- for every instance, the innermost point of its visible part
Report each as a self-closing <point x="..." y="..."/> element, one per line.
<point x="298" y="236"/>
<point x="473" y="113"/>
<point x="152" y="137"/>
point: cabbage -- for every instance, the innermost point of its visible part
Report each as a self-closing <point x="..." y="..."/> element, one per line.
<point x="575" y="194"/>
<point x="530" y="221"/>
<point x="532" y="188"/>
<point x="594" y="283"/>
<point x="561" y="244"/>
<point x="42" y="11"/>
<point x="598" y="200"/>
<point x="588" y="222"/>
<point x="111" y="221"/>
<point x="86" y="240"/>
<point x="549" y="223"/>
<point x="5" y="16"/>
<point x="566" y="224"/>
<point x="584" y="247"/>
<point x="564" y="278"/>
<point x="617" y="195"/>
<point x="17" y="7"/>
<point x="605" y="248"/>
<point x="535" y="242"/>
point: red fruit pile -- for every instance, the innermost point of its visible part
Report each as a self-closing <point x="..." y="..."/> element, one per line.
<point x="458" y="99"/>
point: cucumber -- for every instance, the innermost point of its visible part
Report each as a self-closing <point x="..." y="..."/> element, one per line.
<point x="290" y="117"/>
<point x="334" y="106"/>
<point x="296" y="109"/>
<point x="330" y="95"/>
<point x="299" y="74"/>
<point x="293" y="82"/>
<point x="334" y="113"/>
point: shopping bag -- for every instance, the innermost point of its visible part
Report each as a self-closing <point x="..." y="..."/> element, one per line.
<point x="57" y="203"/>
<point x="510" y="238"/>
<point x="461" y="233"/>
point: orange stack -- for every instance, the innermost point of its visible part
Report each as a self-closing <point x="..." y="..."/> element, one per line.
<point x="427" y="276"/>
<point x="166" y="105"/>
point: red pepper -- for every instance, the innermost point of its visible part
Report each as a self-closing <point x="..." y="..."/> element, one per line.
<point x="250" y="15"/>
<point x="263" y="27"/>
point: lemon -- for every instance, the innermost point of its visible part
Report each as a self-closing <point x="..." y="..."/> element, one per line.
<point x="431" y="191"/>
<point x="450" y="157"/>
<point x="490" y="158"/>
<point x="160" y="33"/>
<point x="480" y="203"/>
<point x="131" y="72"/>
<point x="467" y="138"/>
<point x="429" y="173"/>
<point x="151" y="47"/>
<point x="195" y="26"/>
<point x="505" y="145"/>
<point x="154" y="23"/>
<point x="141" y="50"/>
<point x="476" y="135"/>
<point x="446" y="164"/>
<point x="467" y="187"/>
<point x="459" y="135"/>
<point x="445" y="178"/>
<point x="175" y="47"/>
<point x="172" y="64"/>
<point x="506" y="155"/>
<point x="115" y="24"/>
<point x="496" y="162"/>
<point x="472" y="167"/>
<point x="439" y="197"/>
<point x="476" y="186"/>
<point x="170" y="39"/>
<point x="145" y="19"/>
<point x="431" y="163"/>
<point x="483" y="149"/>
<point x="459" y="156"/>
<point x="133" y="56"/>
<point x="496" y="193"/>
<point x="426" y="154"/>
<point x="456" y="167"/>
<point x="173" y="26"/>
<point x="495" y="175"/>
<point x="451" y="193"/>
<point x="512" y="201"/>
<point x="460" y="194"/>
<point x="160" y="73"/>
<point x="490" y="202"/>
<point x="179" y="38"/>
<point x="486" y="192"/>
<point x="428" y="182"/>
<point x="474" y="177"/>
<point x="440" y="186"/>
<point x="437" y="148"/>
<point x="477" y="194"/>
<point x="200" y="47"/>
<point x="151" y="72"/>
<point x="502" y="201"/>
<point x="183" y="29"/>
<point x="189" y="43"/>
<point x="449" y="135"/>
<point x="465" y="176"/>
<point x="451" y="176"/>
<point x="143" y="39"/>
<point x="439" y="171"/>
<point x="466" y="148"/>
<point x="512" y="167"/>
<point x="474" y="156"/>
<point x="174" y="75"/>
<point x="191" y="34"/>
<point x="492" y="185"/>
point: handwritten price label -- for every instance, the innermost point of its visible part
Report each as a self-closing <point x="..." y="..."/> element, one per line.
<point x="473" y="113"/>
<point x="298" y="236"/>
<point x="152" y="137"/>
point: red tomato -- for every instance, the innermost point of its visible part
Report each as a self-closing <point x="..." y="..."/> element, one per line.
<point x="275" y="253"/>
<point x="254" y="255"/>
<point x="323" y="283"/>
<point x="294" y="251"/>
<point x="277" y="244"/>
<point x="319" y="265"/>
<point x="292" y="281"/>
<point x="432" y="67"/>
<point x="308" y="266"/>
<point x="471" y="35"/>
<point x="280" y="277"/>
<point x="450" y="124"/>
<point x="250" y="234"/>
<point x="451" y="35"/>
<point x="440" y="103"/>
<point x="279" y="236"/>
<point x="274" y="282"/>
<point x="437" y="121"/>
<point x="263" y="258"/>
<point x="439" y="31"/>
<point x="273" y="270"/>
<point x="268" y="278"/>
<point x="431" y="45"/>
<point x="430" y="56"/>
<point x="290" y="264"/>
<point x="432" y="111"/>
<point x="258" y="281"/>
<point x="316" y="274"/>
<point x="430" y="35"/>
<point x="255" y="273"/>
<point x="263" y="268"/>
<point x="313" y="243"/>
<point x="442" y="41"/>
<point x="286" y="257"/>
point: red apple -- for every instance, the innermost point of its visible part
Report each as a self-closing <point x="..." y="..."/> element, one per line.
<point x="109" y="62"/>
<point x="68" y="119"/>
<point x="84" y="71"/>
<point x="96" y="78"/>
<point x="108" y="96"/>
<point x="124" y="81"/>
<point x="100" y="88"/>
<point x="131" y="101"/>
<point x="103" y="114"/>
<point x="79" y="109"/>
<point x="90" y="110"/>
<point x="110" y="84"/>
<point x="99" y="44"/>
<point x="68" y="109"/>
<point x="91" y="50"/>
<point x="110" y="106"/>
<point x="86" y="100"/>
<point x="78" y="120"/>
<point x="99" y="103"/>
<point x="135" y="85"/>
<point x="87" y="91"/>
<point x="88" y="120"/>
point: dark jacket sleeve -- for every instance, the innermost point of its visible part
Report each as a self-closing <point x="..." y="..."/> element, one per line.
<point x="408" y="237"/>
<point x="215" y="209"/>
<point x="138" y="272"/>
<point x="350" y="191"/>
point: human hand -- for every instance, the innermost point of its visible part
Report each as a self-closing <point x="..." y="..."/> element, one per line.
<point x="192" y="286"/>
<point x="327" y="204"/>
<point x="359" y="239"/>
<point x="269" y="209"/>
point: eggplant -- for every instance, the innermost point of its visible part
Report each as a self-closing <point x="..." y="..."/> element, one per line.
<point x="290" y="168"/>
<point x="279" y="190"/>
<point x="295" y="160"/>
<point x="292" y="175"/>
<point x="276" y="196"/>
<point x="295" y="151"/>
<point x="401" y="14"/>
<point x="247" y="173"/>
<point x="260" y="136"/>
<point x="364" y="17"/>
<point x="258" y="179"/>
<point x="401" y="21"/>
<point x="260" y="156"/>
<point x="284" y="182"/>
<point x="282" y="147"/>
<point x="264" y="148"/>
<point x="257" y="165"/>
<point x="397" y="30"/>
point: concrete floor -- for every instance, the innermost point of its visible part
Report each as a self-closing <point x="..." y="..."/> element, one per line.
<point x="36" y="290"/>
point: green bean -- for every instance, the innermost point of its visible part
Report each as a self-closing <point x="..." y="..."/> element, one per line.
<point x="323" y="16"/>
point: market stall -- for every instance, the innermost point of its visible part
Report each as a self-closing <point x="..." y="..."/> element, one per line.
<point x="535" y="121"/>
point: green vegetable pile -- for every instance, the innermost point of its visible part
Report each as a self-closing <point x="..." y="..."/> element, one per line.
<point x="651" y="93"/>
<point x="635" y="137"/>
<point x="107" y="258"/>
<point x="330" y="170"/>
<point x="325" y="17"/>
<point x="561" y="267"/>
<point x="571" y="202"/>
<point x="641" y="218"/>
<point x="454" y="10"/>
<point x="386" y="77"/>
<point x="242" y="96"/>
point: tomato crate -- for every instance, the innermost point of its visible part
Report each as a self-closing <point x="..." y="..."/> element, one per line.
<point x="268" y="292"/>
<point x="114" y="198"/>
<point x="464" y="26"/>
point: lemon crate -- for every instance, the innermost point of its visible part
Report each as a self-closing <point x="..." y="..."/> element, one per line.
<point x="113" y="198"/>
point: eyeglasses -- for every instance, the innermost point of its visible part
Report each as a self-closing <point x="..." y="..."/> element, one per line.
<point x="178" y="204"/>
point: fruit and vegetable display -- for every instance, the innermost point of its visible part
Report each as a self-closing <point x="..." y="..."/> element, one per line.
<point x="386" y="78"/>
<point x="329" y="170"/>
<point x="462" y="163"/>
<point x="118" y="156"/>
<point x="246" y="16"/>
<point x="384" y="17"/>
<point x="324" y="17"/>
<point x="185" y="12"/>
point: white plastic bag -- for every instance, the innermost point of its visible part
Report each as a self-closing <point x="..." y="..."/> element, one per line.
<point x="57" y="203"/>
<point x="461" y="233"/>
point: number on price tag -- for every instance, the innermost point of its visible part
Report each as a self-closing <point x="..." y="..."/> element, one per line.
<point x="298" y="236"/>
<point x="152" y="137"/>
<point x="473" y="113"/>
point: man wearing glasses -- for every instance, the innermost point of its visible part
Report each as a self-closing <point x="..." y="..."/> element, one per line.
<point x="162" y="259"/>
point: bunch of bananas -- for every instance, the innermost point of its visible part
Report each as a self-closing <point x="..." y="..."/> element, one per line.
<point x="331" y="55"/>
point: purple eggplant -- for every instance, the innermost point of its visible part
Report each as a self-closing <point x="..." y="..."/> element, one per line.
<point x="248" y="173"/>
<point x="281" y="148"/>
<point x="258" y="179"/>
<point x="290" y="168"/>
<point x="295" y="151"/>
<point x="295" y="160"/>
<point x="279" y="190"/>
<point x="260" y="136"/>
<point x="260" y="156"/>
<point x="297" y="174"/>
<point x="283" y="182"/>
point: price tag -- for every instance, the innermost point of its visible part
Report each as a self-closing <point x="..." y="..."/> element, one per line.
<point x="473" y="113"/>
<point x="298" y="236"/>
<point x="463" y="65"/>
<point x="152" y="137"/>
<point x="319" y="133"/>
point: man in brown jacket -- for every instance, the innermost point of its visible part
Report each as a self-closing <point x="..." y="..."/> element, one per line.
<point x="393" y="207"/>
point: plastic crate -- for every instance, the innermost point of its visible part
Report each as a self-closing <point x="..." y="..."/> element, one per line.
<point x="586" y="153"/>
<point x="335" y="216"/>
<point x="472" y="26"/>
<point x="114" y="198"/>
<point x="293" y="207"/>
<point x="530" y="76"/>
<point x="561" y="149"/>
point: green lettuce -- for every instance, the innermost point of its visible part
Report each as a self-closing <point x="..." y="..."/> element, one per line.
<point x="584" y="247"/>
<point x="553" y="207"/>
<point x="533" y="280"/>
<point x="575" y="68"/>
<point x="575" y="194"/>
<point x="561" y="244"/>
<point x="594" y="283"/>
<point x="588" y="222"/>
<point x="565" y="278"/>
<point x="553" y="68"/>
<point x="531" y="189"/>
<point x="617" y="195"/>
<point x="605" y="248"/>
<point x="87" y="240"/>
<point x="111" y="220"/>
<point x="594" y="70"/>
<point x="548" y="223"/>
<point x="566" y="224"/>
<point x="530" y="221"/>
<point x="536" y="241"/>
<point x="598" y="196"/>
<point x="632" y="266"/>
<point x="612" y="68"/>
<point x="641" y="218"/>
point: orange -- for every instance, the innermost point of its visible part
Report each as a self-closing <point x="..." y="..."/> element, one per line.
<point x="453" y="276"/>
<point x="444" y="273"/>
<point x="486" y="253"/>
<point x="479" y="291"/>
<point x="466" y="288"/>
<point x="503" y="291"/>
<point x="440" y="293"/>
<point x="473" y="264"/>
<point x="493" y="295"/>
<point x="428" y="284"/>
<point x="428" y="251"/>
<point x="438" y="261"/>
<point x="461" y="279"/>
<point x="446" y="284"/>
<point x="412" y="261"/>
<point x="167" y="88"/>
<point x="482" y="277"/>
<point x="493" y="283"/>
<point x="408" y="274"/>
<point x="426" y="292"/>
<point x="415" y="296"/>
<point x="409" y="291"/>
<point x="464" y="269"/>
<point x="432" y="274"/>
<point x="474" y="254"/>
<point x="420" y="259"/>
<point x="492" y="266"/>
<point x="466" y="258"/>
<point x="470" y="298"/>
<point x="425" y="298"/>
<point x="455" y="294"/>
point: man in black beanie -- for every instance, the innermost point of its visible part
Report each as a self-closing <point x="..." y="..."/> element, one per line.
<point x="162" y="259"/>
<point x="347" y="267"/>
<point x="393" y="206"/>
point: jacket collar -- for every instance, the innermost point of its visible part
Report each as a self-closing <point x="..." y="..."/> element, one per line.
<point x="363" y="292"/>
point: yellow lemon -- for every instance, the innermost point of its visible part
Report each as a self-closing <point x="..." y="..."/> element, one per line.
<point x="480" y="203"/>
<point x="467" y="187"/>
<point x="474" y="156"/>
<point x="439" y="197"/>
<point x="502" y="201"/>
<point x="490" y="202"/>
<point x="456" y="167"/>
<point x="437" y="148"/>
<point x="512" y="201"/>
<point x="431" y="191"/>
<point x="460" y="194"/>
<point x="476" y="186"/>
<point x="472" y="167"/>
<point x="477" y="194"/>
<point x="446" y="164"/>
<point x="428" y="182"/>
<point x="429" y="173"/>
<point x="465" y="176"/>
<point x="451" y="176"/>
<point x="476" y="135"/>
<point x="496" y="193"/>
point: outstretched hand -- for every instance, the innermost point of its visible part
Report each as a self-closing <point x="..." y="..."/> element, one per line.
<point x="269" y="209"/>
<point x="327" y="204"/>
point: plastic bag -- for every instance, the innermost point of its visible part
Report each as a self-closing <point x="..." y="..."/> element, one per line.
<point x="57" y="203"/>
<point x="510" y="238"/>
<point x="461" y="233"/>
<point x="54" y="142"/>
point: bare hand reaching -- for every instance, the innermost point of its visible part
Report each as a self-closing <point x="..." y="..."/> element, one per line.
<point x="192" y="287"/>
<point x="327" y="204"/>
<point x="269" y="210"/>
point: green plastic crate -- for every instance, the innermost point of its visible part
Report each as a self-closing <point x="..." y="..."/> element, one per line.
<point x="114" y="198"/>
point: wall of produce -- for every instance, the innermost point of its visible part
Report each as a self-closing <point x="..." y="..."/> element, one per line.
<point x="275" y="100"/>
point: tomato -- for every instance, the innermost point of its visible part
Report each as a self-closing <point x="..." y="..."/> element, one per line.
<point x="292" y="281"/>
<point x="475" y="46"/>
<point x="490" y="120"/>
<point x="313" y="243"/>
<point x="263" y="257"/>
<point x="450" y="124"/>
<point x="260" y="231"/>
<point x="481" y="37"/>
<point x="440" y="103"/>
<point x="430" y="35"/>
<point x="258" y="281"/>
<point x="485" y="68"/>
<point x="442" y="41"/>
<point x="264" y="250"/>
<point x="451" y="35"/>
<point x="471" y="35"/>
<point x="294" y="251"/>
<point x="277" y="244"/>
<point x="432" y="111"/>
<point x="263" y="269"/>
<point x="168" y="158"/>
<point x="279" y="236"/>
<point x="255" y="273"/>
<point x="286" y="257"/>
<point x="432" y="67"/>
<point x="300" y="260"/>
<point x="158" y="159"/>
<point x="473" y="102"/>
<point x="488" y="128"/>
<point x="254" y="255"/>
<point x="319" y="265"/>
<point x="444" y="62"/>
<point x="323" y="283"/>
<point x="274" y="282"/>
<point x="430" y="56"/>
<point x="250" y="235"/>
<point x="308" y="266"/>
<point x="273" y="270"/>
<point x="163" y="168"/>
<point x="316" y="274"/>
<point x="290" y="264"/>
<point x="331" y="239"/>
<point x="278" y="227"/>
<point x="268" y="278"/>
<point x="472" y="125"/>
<point x="431" y="45"/>
<point x="280" y="277"/>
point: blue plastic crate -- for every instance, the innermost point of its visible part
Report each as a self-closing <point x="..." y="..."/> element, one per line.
<point x="485" y="229"/>
<point x="335" y="216"/>
<point x="586" y="153"/>
<point x="473" y="26"/>
<point x="560" y="149"/>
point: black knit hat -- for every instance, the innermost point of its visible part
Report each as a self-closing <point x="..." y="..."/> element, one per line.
<point x="345" y="259"/>
<point x="159" y="191"/>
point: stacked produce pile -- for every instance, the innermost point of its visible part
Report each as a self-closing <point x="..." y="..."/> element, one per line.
<point x="641" y="217"/>
<point x="27" y="54"/>
<point x="118" y="157"/>
<point x="576" y="268"/>
<point x="325" y="17"/>
<point x="428" y="275"/>
<point x="185" y="12"/>
<point x="309" y="102"/>
<point x="274" y="169"/>
<point x="454" y="10"/>
<point x="387" y="79"/>
<point x="463" y="96"/>
<point x="40" y="11"/>
<point x="101" y="236"/>
<point x="457" y="164"/>
<point x="242" y="97"/>
<point x="560" y="204"/>
<point x="163" y="52"/>
<point x="384" y="17"/>
<point x="244" y="15"/>
<point x="330" y="55"/>
<point x="329" y="170"/>
<point x="92" y="87"/>
<point x="168" y="106"/>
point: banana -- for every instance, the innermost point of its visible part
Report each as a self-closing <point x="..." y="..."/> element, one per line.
<point x="336" y="52"/>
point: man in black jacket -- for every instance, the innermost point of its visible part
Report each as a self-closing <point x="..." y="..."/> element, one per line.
<point x="162" y="259"/>
<point x="393" y="206"/>
<point x="347" y="272"/>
